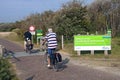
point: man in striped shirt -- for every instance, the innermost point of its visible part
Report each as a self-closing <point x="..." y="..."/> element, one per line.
<point x="51" y="45"/>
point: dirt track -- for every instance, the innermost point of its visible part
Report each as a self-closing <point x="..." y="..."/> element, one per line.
<point x="34" y="68"/>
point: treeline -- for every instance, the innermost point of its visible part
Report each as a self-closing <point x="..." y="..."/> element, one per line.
<point x="6" y="27"/>
<point x="104" y="15"/>
<point x="76" y="18"/>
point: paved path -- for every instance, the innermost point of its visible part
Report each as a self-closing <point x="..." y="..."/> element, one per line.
<point x="34" y="52"/>
<point x="11" y="46"/>
<point x="33" y="67"/>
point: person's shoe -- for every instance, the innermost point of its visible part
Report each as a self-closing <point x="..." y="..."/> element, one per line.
<point x="49" y="67"/>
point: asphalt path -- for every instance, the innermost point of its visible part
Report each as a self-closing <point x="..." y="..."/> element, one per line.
<point x="11" y="46"/>
<point x="33" y="67"/>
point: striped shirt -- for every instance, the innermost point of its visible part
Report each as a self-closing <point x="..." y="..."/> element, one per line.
<point x="52" y="41"/>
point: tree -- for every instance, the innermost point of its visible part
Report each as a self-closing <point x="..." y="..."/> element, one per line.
<point x="71" y="20"/>
<point x="104" y="15"/>
<point x="46" y="20"/>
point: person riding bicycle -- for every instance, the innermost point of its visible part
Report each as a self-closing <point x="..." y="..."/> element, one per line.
<point x="27" y="35"/>
<point x="51" y="46"/>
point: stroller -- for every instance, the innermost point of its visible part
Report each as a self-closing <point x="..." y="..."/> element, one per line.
<point x="29" y="46"/>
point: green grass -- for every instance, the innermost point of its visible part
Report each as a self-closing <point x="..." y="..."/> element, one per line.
<point x="115" y="48"/>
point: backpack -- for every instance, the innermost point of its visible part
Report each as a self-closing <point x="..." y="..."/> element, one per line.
<point x="58" y="57"/>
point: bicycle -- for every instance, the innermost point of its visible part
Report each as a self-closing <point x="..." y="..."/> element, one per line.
<point x="55" y="58"/>
<point x="9" y="54"/>
<point x="29" y="46"/>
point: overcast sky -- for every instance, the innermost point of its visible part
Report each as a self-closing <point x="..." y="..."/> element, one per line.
<point x="15" y="10"/>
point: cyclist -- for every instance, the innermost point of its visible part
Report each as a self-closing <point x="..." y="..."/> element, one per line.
<point x="51" y="46"/>
<point x="27" y="35"/>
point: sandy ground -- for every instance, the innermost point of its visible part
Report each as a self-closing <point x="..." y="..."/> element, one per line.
<point x="4" y="34"/>
<point x="107" y="65"/>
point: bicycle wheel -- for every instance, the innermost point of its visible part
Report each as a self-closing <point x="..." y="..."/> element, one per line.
<point x="45" y="58"/>
<point x="55" y="63"/>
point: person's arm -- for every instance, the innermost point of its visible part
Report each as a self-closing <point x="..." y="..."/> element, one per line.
<point x="24" y="36"/>
<point x="44" y="41"/>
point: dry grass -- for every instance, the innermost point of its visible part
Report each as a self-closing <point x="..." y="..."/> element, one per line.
<point x="11" y="36"/>
<point x="4" y="34"/>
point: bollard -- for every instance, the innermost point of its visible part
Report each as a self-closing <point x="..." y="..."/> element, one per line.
<point x="1" y="50"/>
<point x="79" y="53"/>
<point x="106" y="52"/>
<point x="92" y="52"/>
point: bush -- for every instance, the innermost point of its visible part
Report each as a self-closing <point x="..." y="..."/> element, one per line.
<point x="19" y="32"/>
<point x="6" y="70"/>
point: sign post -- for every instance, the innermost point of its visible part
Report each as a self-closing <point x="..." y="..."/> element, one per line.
<point x="32" y="31"/>
<point x="39" y="35"/>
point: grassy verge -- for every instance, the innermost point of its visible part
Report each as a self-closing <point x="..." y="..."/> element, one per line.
<point x="11" y="36"/>
<point x="115" y="48"/>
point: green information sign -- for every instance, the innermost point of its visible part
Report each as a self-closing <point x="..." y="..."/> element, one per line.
<point x="92" y="42"/>
<point x="39" y="33"/>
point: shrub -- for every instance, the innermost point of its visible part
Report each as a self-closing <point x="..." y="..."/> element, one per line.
<point x="6" y="70"/>
<point x="19" y="32"/>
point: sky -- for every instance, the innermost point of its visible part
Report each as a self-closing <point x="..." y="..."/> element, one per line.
<point x="16" y="10"/>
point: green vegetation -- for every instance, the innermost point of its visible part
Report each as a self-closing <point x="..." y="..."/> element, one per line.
<point x="115" y="48"/>
<point x="19" y="32"/>
<point x="6" y="27"/>
<point x="73" y="18"/>
<point x="6" y="71"/>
